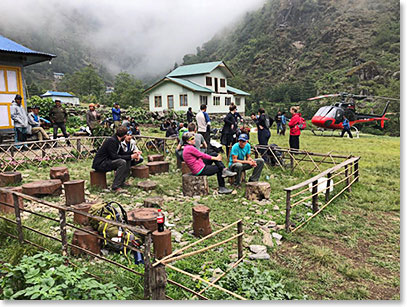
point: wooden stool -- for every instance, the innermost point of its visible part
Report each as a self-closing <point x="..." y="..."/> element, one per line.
<point x="83" y="207"/>
<point x="158" y="167"/>
<point x="185" y="169"/>
<point x="6" y="198"/>
<point x="86" y="241"/>
<point x="7" y="178"/>
<point x="162" y="243"/>
<point x="74" y="192"/>
<point x="98" y="179"/>
<point x="258" y="190"/>
<point x="140" y="171"/>
<point x="153" y="202"/>
<point x="152" y="158"/>
<point x="242" y="178"/>
<point x="194" y="185"/>
<point x="147" y="185"/>
<point x="201" y="224"/>
<point x="43" y="187"/>
<point x="59" y="172"/>
<point x="146" y="217"/>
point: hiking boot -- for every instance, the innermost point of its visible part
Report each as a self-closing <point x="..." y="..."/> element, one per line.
<point x="228" y="173"/>
<point x="117" y="190"/>
<point x="223" y="190"/>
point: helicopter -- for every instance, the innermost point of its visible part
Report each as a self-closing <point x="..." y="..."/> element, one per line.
<point x="331" y="117"/>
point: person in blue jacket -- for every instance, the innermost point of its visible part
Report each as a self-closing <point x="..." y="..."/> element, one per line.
<point x="116" y="113"/>
<point x="346" y="127"/>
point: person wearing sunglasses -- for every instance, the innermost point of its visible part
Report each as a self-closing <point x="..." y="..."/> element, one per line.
<point x="200" y="163"/>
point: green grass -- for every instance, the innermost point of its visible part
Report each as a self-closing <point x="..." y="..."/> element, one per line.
<point x="349" y="251"/>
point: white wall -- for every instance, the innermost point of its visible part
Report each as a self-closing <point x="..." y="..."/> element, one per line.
<point x="201" y="80"/>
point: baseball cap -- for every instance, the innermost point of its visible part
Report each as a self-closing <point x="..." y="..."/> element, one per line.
<point x="18" y="97"/>
<point x="243" y="137"/>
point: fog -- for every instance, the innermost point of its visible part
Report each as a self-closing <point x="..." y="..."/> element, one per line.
<point x="153" y="34"/>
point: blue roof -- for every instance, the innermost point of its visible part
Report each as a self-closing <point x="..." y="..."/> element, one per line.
<point x="191" y="85"/>
<point x="197" y="69"/>
<point x="9" y="46"/>
<point x="61" y="94"/>
<point x="236" y="91"/>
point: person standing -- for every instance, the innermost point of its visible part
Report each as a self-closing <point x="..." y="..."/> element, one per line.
<point x="34" y="122"/>
<point x="229" y="129"/>
<point x="92" y="118"/>
<point x="20" y="119"/>
<point x="203" y="122"/>
<point x="295" y="131"/>
<point x="58" y="117"/>
<point x="346" y="127"/>
<point x="278" y="121"/>
<point x="111" y="156"/>
<point x="283" y="123"/>
<point x="116" y="113"/>
<point x="263" y="125"/>
<point x="190" y="115"/>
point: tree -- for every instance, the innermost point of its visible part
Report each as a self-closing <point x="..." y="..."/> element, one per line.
<point x="127" y="90"/>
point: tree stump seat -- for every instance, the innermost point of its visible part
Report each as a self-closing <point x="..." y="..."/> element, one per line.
<point x="194" y="185"/>
<point x="184" y="168"/>
<point x="153" y="202"/>
<point x="232" y="180"/>
<point x="74" y="192"/>
<point x="43" y="187"/>
<point x="59" y="172"/>
<point x="98" y="179"/>
<point x="258" y="190"/>
<point x="86" y="241"/>
<point x="7" y="178"/>
<point x="147" y="185"/>
<point x="152" y="158"/>
<point x="201" y="223"/>
<point x="83" y="207"/>
<point x="162" y="243"/>
<point x="140" y="171"/>
<point x="6" y="198"/>
<point x="158" y="167"/>
<point x="145" y="217"/>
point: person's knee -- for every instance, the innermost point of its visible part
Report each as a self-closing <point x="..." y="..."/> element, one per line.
<point x="120" y="162"/>
<point x="237" y="166"/>
<point x="259" y="161"/>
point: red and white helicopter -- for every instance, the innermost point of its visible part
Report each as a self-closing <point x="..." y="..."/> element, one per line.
<point x="331" y="117"/>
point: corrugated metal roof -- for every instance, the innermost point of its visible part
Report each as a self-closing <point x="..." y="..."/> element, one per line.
<point x="61" y="94"/>
<point x="191" y="85"/>
<point x="194" y="69"/>
<point x="236" y="91"/>
<point x="11" y="46"/>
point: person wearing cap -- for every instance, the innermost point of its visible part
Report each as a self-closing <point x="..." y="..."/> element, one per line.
<point x="200" y="163"/>
<point x="58" y="117"/>
<point x="35" y="123"/>
<point x="92" y="118"/>
<point x="129" y="145"/>
<point x="240" y="160"/>
<point x="116" y="113"/>
<point x="20" y="119"/>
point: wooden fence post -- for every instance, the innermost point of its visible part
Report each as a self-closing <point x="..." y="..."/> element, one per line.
<point x="328" y="185"/>
<point x="147" y="267"/>
<point x="347" y="178"/>
<point x="158" y="282"/>
<point x="315" y="197"/>
<point x="62" y="226"/>
<point x="287" y="211"/>
<point x="18" y="218"/>
<point x="78" y="146"/>
<point x="356" y="169"/>
<point x="239" y="240"/>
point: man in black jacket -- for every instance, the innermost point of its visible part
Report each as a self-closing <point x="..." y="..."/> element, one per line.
<point x="229" y="129"/>
<point x="111" y="156"/>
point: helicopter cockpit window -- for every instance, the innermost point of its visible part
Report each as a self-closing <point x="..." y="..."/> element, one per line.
<point x="339" y="116"/>
<point x="332" y="113"/>
<point x="323" y="111"/>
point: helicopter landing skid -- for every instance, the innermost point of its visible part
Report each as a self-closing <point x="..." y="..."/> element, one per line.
<point x="356" y="131"/>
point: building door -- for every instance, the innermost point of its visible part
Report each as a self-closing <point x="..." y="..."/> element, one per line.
<point x="216" y="85"/>
<point x="170" y="100"/>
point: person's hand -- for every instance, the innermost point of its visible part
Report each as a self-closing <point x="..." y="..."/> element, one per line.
<point x="217" y="158"/>
<point x="134" y="156"/>
<point x="261" y="127"/>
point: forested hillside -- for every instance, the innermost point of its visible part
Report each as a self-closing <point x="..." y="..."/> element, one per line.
<point x="291" y="50"/>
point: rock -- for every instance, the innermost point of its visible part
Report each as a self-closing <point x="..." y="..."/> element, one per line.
<point x="276" y="208"/>
<point x="267" y="240"/>
<point x="245" y="203"/>
<point x="234" y="192"/>
<point x="262" y="222"/>
<point x="280" y="227"/>
<point x="309" y="213"/>
<point x="217" y="272"/>
<point x="233" y="256"/>
<point x="247" y="218"/>
<point x="260" y="256"/>
<point x="277" y="236"/>
<point x="271" y="224"/>
<point x="177" y="236"/>
<point x="258" y="249"/>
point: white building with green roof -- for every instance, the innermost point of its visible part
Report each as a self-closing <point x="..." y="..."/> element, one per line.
<point x="194" y="85"/>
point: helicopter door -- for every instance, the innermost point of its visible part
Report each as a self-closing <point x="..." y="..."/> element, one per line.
<point x="339" y="116"/>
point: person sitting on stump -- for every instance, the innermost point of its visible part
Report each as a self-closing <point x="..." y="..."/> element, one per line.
<point x="240" y="160"/>
<point x="129" y="145"/>
<point x="200" y="163"/>
<point x="111" y="156"/>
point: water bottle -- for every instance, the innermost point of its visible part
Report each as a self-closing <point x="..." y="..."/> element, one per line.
<point x="160" y="221"/>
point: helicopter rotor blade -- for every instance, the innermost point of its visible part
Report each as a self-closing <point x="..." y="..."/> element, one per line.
<point x="324" y="96"/>
<point x="381" y="97"/>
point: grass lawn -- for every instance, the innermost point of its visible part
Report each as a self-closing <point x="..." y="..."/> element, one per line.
<point x="349" y="251"/>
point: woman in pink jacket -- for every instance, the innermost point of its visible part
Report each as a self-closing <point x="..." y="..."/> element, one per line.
<point x="200" y="163"/>
<point x="295" y="131"/>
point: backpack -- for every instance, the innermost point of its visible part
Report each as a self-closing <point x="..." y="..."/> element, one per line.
<point x="302" y="124"/>
<point x="267" y="121"/>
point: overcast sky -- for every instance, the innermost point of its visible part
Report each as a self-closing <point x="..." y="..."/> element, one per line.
<point x="159" y="32"/>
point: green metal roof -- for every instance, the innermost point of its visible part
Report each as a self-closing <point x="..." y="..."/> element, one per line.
<point x="197" y="69"/>
<point x="191" y="85"/>
<point x="236" y="91"/>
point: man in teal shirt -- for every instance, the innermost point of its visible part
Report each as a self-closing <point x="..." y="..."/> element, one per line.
<point x="240" y="160"/>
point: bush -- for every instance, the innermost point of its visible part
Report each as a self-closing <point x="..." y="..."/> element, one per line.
<point x="45" y="277"/>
